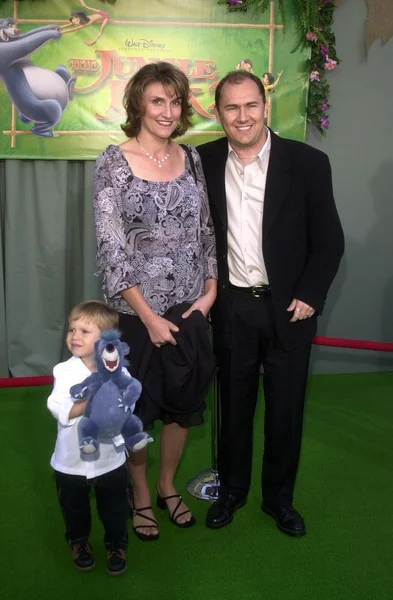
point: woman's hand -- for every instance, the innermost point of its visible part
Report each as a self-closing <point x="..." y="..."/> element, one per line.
<point x="204" y="304"/>
<point x="159" y="330"/>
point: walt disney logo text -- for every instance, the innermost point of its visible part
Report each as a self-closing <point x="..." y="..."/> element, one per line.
<point x="145" y="44"/>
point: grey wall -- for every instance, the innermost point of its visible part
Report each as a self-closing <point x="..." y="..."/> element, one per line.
<point x="360" y="146"/>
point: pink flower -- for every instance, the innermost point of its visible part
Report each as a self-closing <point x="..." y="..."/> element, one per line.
<point x="324" y="123"/>
<point x="312" y="37"/>
<point x="325" y="106"/>
<point x="314" y="76"/>
<point x="330" y="64"/>
<point x="324" y="51"/>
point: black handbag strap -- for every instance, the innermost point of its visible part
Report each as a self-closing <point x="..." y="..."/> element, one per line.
<point x="188" y="152"/>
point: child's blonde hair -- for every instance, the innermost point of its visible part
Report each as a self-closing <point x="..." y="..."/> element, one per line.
<point x="96" y="312"/>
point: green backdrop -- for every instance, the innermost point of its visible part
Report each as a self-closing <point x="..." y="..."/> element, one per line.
<point x="47" y="245"/>
<point x="202" y="38"/>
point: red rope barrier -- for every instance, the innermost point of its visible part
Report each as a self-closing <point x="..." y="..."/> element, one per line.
<point x="26" y="381"/>
<point x="352" y="344"/>
<point x="318" y="341"/>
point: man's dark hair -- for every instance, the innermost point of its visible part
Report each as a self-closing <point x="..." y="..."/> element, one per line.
<point x="236" y="77"/>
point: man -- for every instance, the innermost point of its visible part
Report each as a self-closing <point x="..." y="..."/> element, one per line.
<point x="279" y="245"/>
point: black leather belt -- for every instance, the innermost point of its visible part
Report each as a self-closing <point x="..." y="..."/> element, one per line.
<point x="256" y="290"/>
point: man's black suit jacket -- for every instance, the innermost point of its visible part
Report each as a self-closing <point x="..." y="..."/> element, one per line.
<point x="302" y="238"/>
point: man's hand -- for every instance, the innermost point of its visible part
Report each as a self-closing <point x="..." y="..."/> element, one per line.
<point x="204" y="304"/>
<point x="159" y="330"/>
<point x="301" y="310"/>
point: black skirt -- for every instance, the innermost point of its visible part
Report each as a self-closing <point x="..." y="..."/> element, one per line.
<point x="175" y="379"/>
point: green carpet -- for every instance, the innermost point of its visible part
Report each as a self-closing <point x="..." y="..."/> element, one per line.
<point x="344" y="490"/>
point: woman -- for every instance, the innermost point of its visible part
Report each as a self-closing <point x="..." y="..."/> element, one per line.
<point x="156" y="252"/>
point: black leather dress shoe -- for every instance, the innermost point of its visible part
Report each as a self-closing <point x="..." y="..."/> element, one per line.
<point x="221" y="512"/>
<point x="288" y="520"/>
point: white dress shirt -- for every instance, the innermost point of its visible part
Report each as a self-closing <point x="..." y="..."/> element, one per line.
<point x="67" y="457"/>
<point x="245" y="193"/>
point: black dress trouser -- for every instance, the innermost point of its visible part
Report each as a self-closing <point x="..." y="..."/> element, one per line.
<point x="112" y="498"/>
<point x="253" y="340"/>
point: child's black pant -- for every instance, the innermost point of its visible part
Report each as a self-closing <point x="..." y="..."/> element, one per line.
<point x="112" y="498"/>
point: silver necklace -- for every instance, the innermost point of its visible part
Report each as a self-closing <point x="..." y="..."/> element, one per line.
<point x="159" y="161"/>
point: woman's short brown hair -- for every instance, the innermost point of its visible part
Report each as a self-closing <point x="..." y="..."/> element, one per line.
<point x="170" y="77"/>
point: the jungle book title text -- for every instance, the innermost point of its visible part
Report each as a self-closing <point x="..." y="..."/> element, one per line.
<point x="111" y="69"/>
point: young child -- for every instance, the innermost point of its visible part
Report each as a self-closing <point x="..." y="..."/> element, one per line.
<point x="76" y="474"/>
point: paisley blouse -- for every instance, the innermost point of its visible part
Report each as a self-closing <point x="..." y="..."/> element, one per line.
<point x="155" y="234"/>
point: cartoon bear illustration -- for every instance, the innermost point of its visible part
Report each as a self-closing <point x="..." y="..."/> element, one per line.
<point x="39" y="95"/>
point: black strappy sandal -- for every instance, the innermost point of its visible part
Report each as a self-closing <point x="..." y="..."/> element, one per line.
<point x="174" y="517"/>
<point x="137" y="512"/>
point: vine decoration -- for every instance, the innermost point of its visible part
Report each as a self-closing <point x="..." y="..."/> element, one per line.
<point x="314" y="20"/>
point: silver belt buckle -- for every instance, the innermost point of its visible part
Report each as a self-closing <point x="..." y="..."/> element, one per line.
<point x="257" y="291"/>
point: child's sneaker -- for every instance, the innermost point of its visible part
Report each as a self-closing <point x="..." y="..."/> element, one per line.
<point x="117" y="561"/>
<point x="82" y="557"/>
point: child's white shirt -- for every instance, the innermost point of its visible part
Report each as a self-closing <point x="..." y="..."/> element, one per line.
<point x="67" y="457"/>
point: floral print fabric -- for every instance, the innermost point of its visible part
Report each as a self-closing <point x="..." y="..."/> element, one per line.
<point x="158" y="235"/>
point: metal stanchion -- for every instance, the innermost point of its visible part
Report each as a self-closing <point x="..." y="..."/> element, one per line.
<point x="206" y="485"/>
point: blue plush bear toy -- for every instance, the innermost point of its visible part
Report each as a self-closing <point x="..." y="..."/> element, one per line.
<point x="111" y="395"/>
